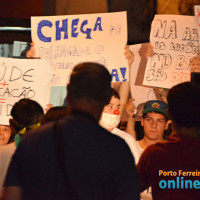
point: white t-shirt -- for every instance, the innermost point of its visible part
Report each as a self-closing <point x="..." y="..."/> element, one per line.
<point x="147" y="194"/>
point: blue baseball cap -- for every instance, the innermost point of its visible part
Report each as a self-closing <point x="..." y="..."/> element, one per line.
<point x="155" y="106"/>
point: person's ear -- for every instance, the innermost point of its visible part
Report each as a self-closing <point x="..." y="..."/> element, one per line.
<point x="142" y="122"/>
<point x="167" y="124"/>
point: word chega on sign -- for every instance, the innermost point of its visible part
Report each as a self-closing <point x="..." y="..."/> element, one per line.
<point x="71" y="39"/>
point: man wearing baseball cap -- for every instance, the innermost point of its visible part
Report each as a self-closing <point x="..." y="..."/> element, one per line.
<point x="154" y="122"/>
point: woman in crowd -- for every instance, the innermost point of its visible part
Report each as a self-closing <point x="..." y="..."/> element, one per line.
<point x="6" y="136"/>
<point x="26" y="114"/>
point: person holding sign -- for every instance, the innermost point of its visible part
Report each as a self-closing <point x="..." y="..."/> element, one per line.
<point x="110" y="119"/>
<point x="75" y="158"/>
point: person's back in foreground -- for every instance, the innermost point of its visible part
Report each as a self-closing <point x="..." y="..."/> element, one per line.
<point x="76" y="158"/>
<point x="172" y="168"/>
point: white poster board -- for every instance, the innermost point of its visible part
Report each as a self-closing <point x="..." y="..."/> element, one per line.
<point x="71" y="39"/>
<point x="23" y="78"/>
<point x="175" y="42"/>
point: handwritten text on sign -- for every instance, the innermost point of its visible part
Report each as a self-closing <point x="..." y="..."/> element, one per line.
<point x="69" y="40"/>
<point x="175" y="44"/>
<point x="22" y="78"/>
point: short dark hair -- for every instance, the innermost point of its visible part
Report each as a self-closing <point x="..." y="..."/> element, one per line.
<point x="114" y="93"/>
<point x="89" y="80"/>
<point x="54" y="114"/>
<point x="184" y="104"/>
<point x="27" y="112"/>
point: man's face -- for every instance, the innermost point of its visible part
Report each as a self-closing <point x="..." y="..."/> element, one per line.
<point x="5" y="133"/>
<point x="154" y="125"/>
<point x="113" y="106"/>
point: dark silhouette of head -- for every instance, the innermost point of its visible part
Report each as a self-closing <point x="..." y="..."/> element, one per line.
<point x="25" y="113"/>
<point x="89" y="88"/>
<point x="184" y="105"/>
<point x="114" y="93"/>
<point x="89" y="80"/>
<point x="53" y="114"/>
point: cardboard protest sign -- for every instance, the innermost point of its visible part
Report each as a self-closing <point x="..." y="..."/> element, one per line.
<point x="175" y="42"/>
<point x="69" y="40"/>
<point x="139" y="92"/>
<point x="197" y="17"/>
<point x="23" y="78"/>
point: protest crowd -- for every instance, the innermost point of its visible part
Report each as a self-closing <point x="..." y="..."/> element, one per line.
<point x="86" y="129"/>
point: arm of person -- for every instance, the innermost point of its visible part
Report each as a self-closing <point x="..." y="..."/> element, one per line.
<point x="123" y="93"/>
<point x="125" y="86"/>
<point x="11" y="193"/>
<point x="48" y="107"/>
<point x="128" y="55"/>
<point x="31" y="52"/>
<point x="130" y="110"/>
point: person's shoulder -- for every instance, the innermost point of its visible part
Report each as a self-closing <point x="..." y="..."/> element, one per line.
<point x="44" y="131"/>
<point x="122" y="133"/>
<point x="167" y="145"/>
<point x="123" y="141"/>
<point x="152" y="151"/>
<point x="7" y="146"/>
<point x="159" y="149"/>
<point x="115" y="134"/>
<point x="119" y="133"/>
<point x="115" y="141"/>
